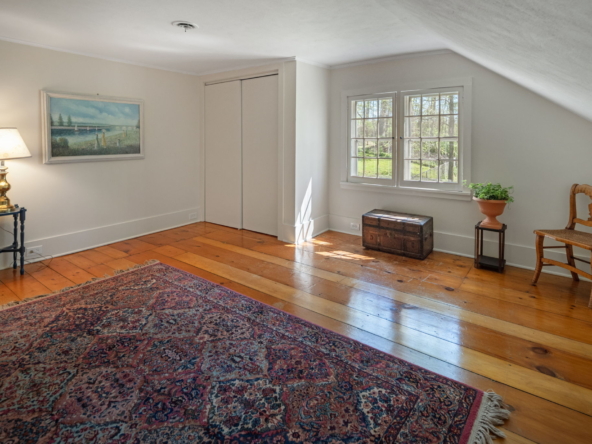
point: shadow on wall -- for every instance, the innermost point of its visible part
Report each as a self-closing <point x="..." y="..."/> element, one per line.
<point x="304" y="224"/>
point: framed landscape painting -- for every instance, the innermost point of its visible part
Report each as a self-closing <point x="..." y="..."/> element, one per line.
<point x="78" y="128"/>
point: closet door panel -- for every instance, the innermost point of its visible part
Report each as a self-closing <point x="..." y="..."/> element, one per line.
<point x="260" y="154"/>
<point x="223" y="157"/>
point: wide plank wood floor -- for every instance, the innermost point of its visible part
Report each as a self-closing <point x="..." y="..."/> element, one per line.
<point x="532" y="345"/>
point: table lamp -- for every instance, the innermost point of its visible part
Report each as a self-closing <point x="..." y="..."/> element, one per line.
<point x="12" y="146"/>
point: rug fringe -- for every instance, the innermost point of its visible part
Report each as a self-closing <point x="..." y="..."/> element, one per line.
<point x="492" y="413"/>
<point x="91" y="281"/>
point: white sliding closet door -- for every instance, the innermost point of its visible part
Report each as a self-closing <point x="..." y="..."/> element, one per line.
<point x="223" y="155"/>
<point x="260" y="154"/>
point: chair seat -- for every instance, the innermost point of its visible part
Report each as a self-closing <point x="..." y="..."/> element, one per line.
<point x="572" y="237"/>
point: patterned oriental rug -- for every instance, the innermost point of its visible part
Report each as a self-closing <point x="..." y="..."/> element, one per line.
<point x="157" y="355"/>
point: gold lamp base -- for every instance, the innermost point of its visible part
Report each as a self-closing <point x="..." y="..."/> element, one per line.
<point x="4" y="187"/>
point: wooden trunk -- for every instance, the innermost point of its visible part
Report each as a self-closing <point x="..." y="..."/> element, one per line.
<point x="399" y="233"/>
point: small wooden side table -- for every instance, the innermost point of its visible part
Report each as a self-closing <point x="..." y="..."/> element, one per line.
<point x="491" y="263"/>
<point x="19" y="216"/>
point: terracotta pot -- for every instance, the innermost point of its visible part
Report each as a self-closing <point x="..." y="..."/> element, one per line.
<point x="491" y="209"/>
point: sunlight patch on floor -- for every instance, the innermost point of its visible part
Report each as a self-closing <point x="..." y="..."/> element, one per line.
<point x="345" y="255"/>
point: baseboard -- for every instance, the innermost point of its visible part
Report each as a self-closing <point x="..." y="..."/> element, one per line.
<point x="343" y="224"/>
<point x="69" y="243"/>
<point x="296" y="234"/>
<point x="521" y="256"/>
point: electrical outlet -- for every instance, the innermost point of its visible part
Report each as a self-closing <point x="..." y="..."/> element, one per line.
<point x="354" y="226"/>
<point x="192" y="216"/>
<point x="34" y="252"/>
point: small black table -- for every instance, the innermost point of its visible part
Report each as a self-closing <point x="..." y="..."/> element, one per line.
<point x="492" y="263"/>
<point x="19" y="215"/>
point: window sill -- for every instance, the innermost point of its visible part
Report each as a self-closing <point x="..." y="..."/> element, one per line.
<point x="419" y="192"/>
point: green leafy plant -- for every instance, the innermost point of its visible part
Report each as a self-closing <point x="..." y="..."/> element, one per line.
<point x="492" y="191"/>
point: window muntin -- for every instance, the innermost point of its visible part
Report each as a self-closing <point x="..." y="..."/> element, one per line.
<point x="431" y="137"/>
<point x="372" y="126"/>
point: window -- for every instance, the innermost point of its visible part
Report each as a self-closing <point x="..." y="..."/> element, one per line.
<point x="409" y="139"/>
<point x="372" y="137"/>
<point x="430" y="138"/>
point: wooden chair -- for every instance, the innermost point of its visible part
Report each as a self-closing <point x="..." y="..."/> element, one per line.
<point x="570" y="237"/>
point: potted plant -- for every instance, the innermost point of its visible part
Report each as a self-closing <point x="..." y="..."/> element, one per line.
<point x="492" y="199"/>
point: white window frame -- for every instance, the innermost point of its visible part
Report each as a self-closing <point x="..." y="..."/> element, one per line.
<point x="397" y="185"/>
<point x="401" y="141"/>
<point x="358" y="179"/>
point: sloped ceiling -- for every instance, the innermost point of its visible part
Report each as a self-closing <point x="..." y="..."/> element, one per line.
<point x="544" y="45"/>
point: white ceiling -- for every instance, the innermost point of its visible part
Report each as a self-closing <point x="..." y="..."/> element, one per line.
<point x="545" y="45"/>
<point x="231" y="34"/>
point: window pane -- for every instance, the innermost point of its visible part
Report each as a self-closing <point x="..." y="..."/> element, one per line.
<point x="370" y="148"/>
<point x="412" y="149"/>
<point x="429" y="170"/>
<point x="449" y="149"/>
<point x="429" y="149"/>
<point x="449" y="171"/>
<point x="429" y="126"/>
<point x="449" y="126"/>
<point x="412" y="105"/>
<point x="385" y="127"/>
<point x="357" y="127"/>
<point x="449" y="103"/>
<point x="412" y="126"/>
<point x="358" y="167"/>
<point x="385" y="169"/>
<point x="430" y="105"/>
<point x="357" y="147"/>
<point x="358" y="109"/>
<point x="412" y="169"/>
<point x="371" y="108"/>
<point x="386" y="107"/>
<point x="370" y="168"/>
<point x="385" y="148"/>
<point x="370" y="127"/>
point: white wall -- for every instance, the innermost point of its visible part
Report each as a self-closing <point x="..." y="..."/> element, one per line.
<point x="312" y="154"/>
<point x="287" y="154"/>
<point x="519" y="138"/>
<point x="80" y="205"/>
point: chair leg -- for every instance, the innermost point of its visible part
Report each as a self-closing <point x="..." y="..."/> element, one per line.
<point x="539" y="252"/>
<point x="571" y="261"/>
<point x="590" y="301"/>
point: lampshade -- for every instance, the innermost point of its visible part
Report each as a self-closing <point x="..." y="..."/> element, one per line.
<point x="12" y="145"/>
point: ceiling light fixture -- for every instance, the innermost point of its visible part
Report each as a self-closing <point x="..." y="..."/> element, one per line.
<point x="184" y="25"/>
